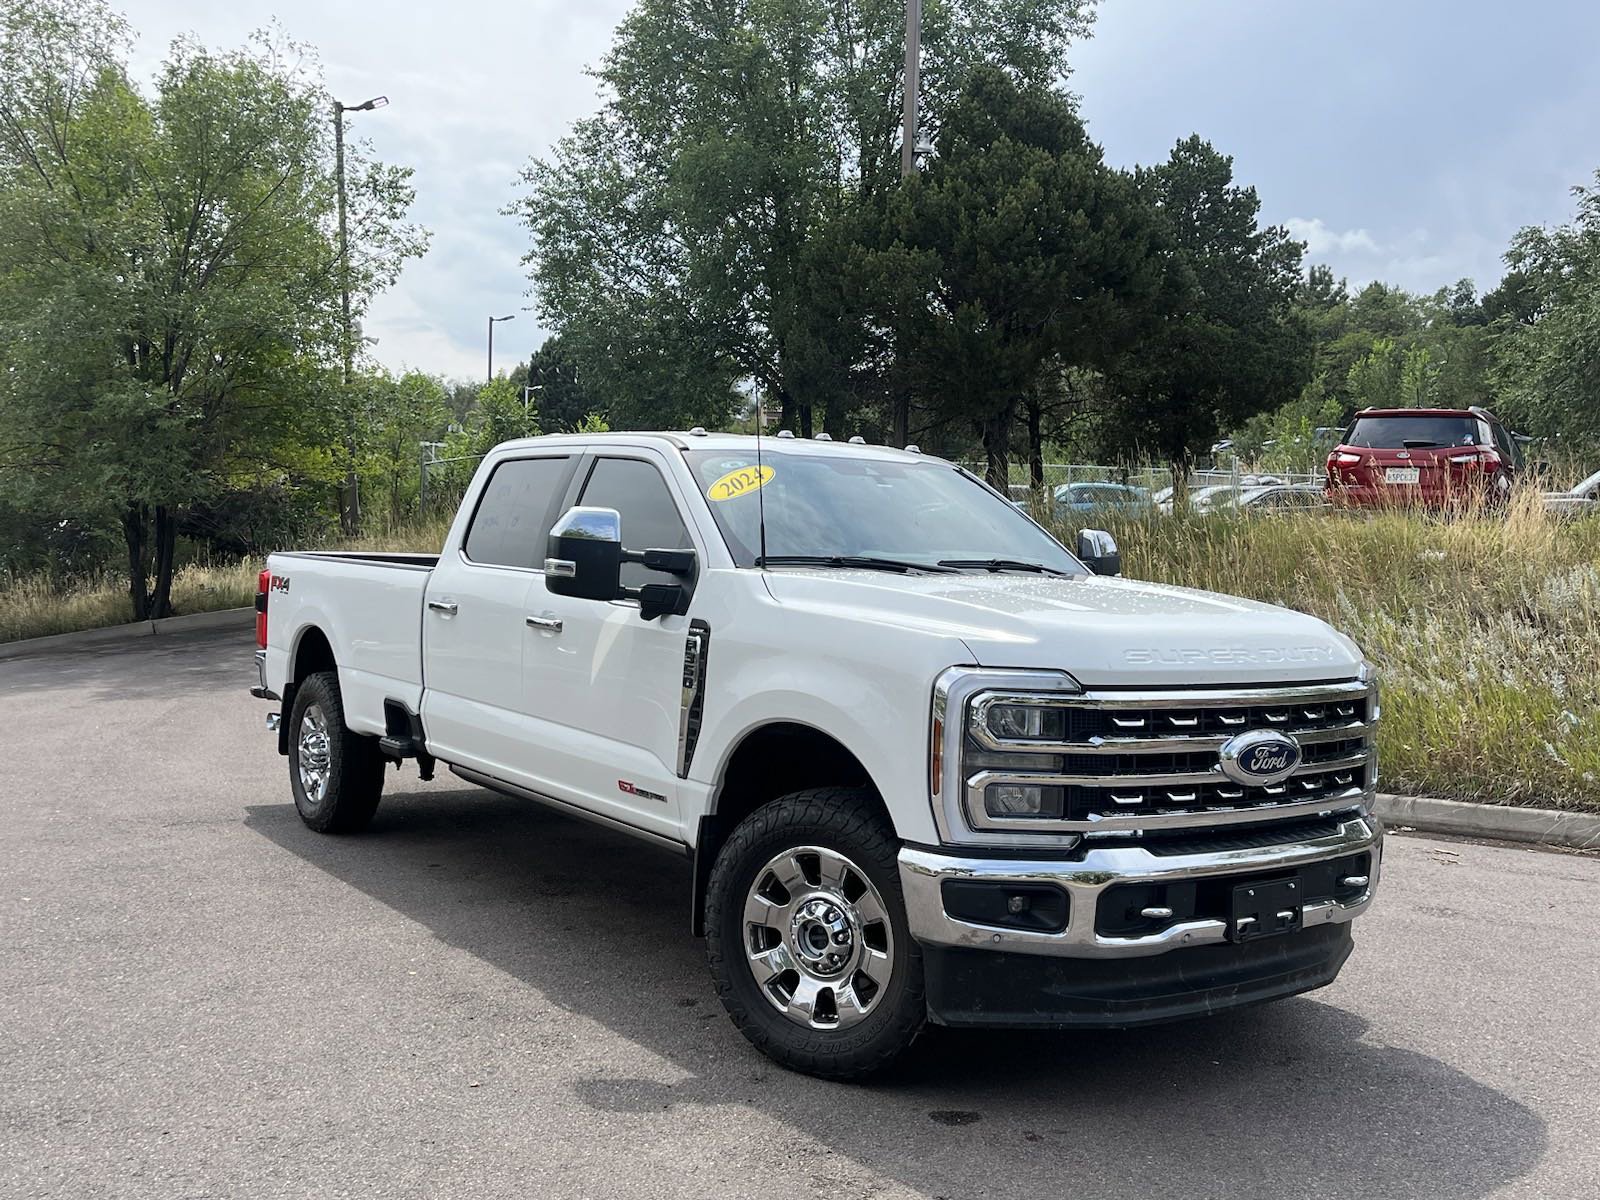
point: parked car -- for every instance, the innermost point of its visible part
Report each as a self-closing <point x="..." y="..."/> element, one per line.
<point x="1584" y="498"/>
<point x="928" y="766"/>
<point x="1423" y="456"/>
<point x="1201" y="498"/>
<point x="1087" y="498"/>
<point x="1273" y="498"/>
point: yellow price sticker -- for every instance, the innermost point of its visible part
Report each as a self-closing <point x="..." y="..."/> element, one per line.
<point x="739" y="483"/>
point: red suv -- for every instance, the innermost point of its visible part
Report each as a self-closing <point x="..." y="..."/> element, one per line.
<point x="1426" y="456"/>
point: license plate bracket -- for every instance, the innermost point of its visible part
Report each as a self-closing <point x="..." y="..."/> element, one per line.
<point x="1265" y="909"/>
<point x="1401" y="474"/>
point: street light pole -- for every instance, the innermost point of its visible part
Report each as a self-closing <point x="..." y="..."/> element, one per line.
<point x="493" y="321"/>
<point x="350" y="516"/>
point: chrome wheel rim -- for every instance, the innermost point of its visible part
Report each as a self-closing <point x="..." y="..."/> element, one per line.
<point x="818" y="938"/>
<point x="315" y="756"/>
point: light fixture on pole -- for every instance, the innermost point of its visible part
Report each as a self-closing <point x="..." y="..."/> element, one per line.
<point x="350" y="514"/>
<point x="493" y="321"/>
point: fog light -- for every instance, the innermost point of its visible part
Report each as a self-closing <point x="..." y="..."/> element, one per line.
<point x="1022" y="800"/>
<point x="1025" y="722"/>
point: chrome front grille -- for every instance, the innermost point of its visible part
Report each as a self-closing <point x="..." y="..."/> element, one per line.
<point x="1124" y="762"/>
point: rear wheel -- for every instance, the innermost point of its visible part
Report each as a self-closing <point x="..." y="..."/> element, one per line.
<point x="807" y="939"/>
<point x="336" y="774"/>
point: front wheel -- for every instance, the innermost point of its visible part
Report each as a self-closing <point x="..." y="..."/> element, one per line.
<point x="807" y="939"/>
<point x="336" y="774"/>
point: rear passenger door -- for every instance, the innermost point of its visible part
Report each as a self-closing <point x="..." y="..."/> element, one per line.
<point x="606" y="687"/>
<point x="474" y="630"/>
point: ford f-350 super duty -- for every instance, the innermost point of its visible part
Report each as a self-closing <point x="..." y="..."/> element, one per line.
<point x="929" y="765"/>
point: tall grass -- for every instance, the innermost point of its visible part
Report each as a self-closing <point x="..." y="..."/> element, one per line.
<point x="36" y="605"/>
<point x="1486" y="626"/>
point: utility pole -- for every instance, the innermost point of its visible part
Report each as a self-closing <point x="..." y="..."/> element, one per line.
<point x="908" y="143"/>
<point x="350" y="508"/>
<point x="900" y="411"/>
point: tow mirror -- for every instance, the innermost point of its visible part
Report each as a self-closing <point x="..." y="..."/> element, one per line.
<point x="585" y="554"/>
<point x="1098" y="550"/>
<point x="585" y="558"/>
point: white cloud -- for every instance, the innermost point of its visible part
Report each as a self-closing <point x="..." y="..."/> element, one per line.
<point x="1321" y="241"/>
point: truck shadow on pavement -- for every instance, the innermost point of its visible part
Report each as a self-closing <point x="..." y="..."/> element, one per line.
<point x="1281" y="1101"/>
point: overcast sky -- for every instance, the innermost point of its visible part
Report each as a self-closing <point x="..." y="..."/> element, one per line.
<point x="1404" y="140"/>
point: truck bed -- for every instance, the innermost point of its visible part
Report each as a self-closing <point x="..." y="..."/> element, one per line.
<point x="369" y="607"/>
<point x="374" y="557"/>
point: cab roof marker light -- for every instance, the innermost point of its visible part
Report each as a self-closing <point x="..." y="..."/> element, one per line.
<point x="824" y="437"/>
<point x="786" y="433"/>
<point x="858" y="440"/>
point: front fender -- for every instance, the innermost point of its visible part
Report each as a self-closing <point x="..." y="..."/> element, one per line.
<point x="880" y="718"/>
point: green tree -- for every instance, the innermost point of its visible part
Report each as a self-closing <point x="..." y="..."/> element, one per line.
<point x="673" y="232"/>
<point x="562" y="399"/>
<point x="406" y="412"/>
<point x="168" y="295"/>
<point x="1238" y="346"/>
<point x="1548" y="353"/>
<point x="1034" y="256"/>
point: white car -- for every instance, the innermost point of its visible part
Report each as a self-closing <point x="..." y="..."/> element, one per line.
<point x="1584" y="498"/>
<point x="929" y="765"/>
<point x="1201" y="499"/>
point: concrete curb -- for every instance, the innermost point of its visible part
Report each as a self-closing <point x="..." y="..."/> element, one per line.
<point x="1540" y="826"/>
<point x="226" y="618"/>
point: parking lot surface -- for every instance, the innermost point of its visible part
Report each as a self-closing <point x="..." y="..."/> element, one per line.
<point x="480" y="998"/>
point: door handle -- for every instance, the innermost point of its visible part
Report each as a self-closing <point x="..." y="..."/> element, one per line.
<point x="446" y="607"/>
<point x="548" y="624"/>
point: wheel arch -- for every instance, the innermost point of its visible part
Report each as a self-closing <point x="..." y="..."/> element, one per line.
<point x="768" y="761"/>
<point x="311" y="651"/>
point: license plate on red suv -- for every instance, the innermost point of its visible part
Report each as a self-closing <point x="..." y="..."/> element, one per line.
<point x="1401" y="474"/>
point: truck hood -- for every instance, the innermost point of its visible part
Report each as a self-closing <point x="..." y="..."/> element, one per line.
<point x="1105" y="632"/>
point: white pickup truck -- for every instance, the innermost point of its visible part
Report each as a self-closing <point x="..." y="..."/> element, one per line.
<point x="929" y="765"/>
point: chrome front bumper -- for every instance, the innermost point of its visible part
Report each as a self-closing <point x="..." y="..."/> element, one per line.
<point x="924" y="872"/>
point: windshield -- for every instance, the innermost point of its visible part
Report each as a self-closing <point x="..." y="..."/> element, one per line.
<point x="835" y="505"/>
<point x="1397" y="432"/>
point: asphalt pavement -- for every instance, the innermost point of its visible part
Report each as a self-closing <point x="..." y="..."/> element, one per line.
<point x="201" y="998"/>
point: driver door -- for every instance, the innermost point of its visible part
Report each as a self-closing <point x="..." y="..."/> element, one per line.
<point x="605" y="687"/>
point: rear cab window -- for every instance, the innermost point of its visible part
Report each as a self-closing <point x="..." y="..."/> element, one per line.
<point x="511" y="525"/>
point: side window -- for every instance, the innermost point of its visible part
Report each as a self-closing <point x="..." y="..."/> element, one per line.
<point x="514" y="515"/>
<point x="1507" y="445"/>
<point x="650" y="519"/>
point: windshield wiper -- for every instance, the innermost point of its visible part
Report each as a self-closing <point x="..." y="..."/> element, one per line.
<point x="1000" y="564"/>
<point x="1418" y="443"/>
<point x="864" y="561"/>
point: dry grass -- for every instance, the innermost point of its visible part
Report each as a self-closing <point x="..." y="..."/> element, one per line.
<point x="1486" y="627"/>
<point x="35" y="606"/>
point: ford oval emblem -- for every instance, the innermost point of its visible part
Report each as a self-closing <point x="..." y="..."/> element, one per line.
<point x="1260" y="756"/>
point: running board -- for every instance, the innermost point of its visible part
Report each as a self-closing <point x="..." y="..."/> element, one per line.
<point x="522" y="793"/>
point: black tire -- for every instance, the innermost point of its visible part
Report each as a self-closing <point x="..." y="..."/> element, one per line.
<point x="354" y="767"/>
<point x="848" y="822"/>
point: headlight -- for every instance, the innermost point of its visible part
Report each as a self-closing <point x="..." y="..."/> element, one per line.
<point x="1027" y="722"/>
